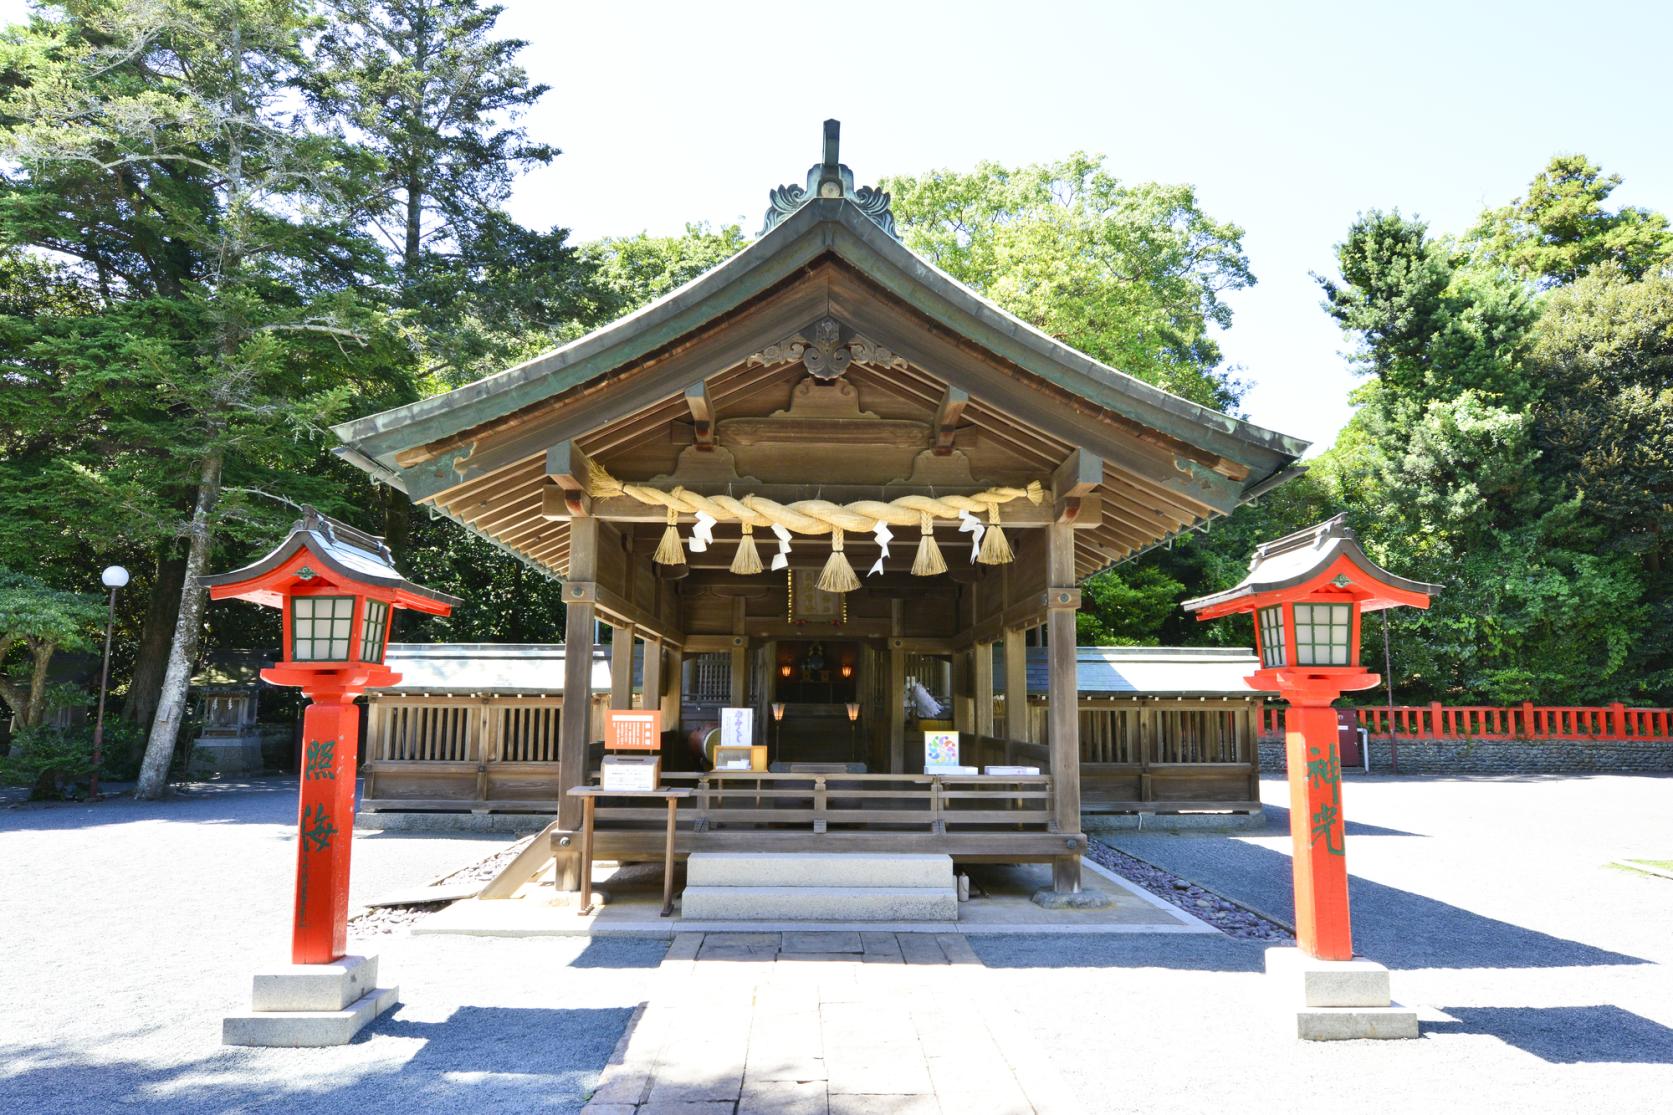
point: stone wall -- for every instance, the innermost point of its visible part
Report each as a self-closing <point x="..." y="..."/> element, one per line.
<point x="1505" y="756"/>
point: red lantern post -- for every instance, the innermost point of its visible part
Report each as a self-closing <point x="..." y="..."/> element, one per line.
<point x="337" y="589"/>
<point x="1307" y="592"/>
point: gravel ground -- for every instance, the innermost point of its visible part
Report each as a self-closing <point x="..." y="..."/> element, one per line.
<point x="1541" y="974"/>
<point x="133" y="927"/>
<point x="1224" y="914"/>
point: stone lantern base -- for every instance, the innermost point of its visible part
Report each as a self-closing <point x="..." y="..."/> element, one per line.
<point x="1336" y="1000"/>
<point x="311" y="1004"/>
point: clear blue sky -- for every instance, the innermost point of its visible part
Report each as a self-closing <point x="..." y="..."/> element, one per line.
<point x="1289" y="118"/>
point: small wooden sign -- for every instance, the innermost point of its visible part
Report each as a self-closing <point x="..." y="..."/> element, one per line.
<point x="626" y="730"/>
<point x="630" y="772"/>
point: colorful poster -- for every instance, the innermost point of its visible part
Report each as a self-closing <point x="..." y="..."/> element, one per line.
<point x="940" y="749"/>
<point x="737" y="727"/>
<point x="633" y="731"/>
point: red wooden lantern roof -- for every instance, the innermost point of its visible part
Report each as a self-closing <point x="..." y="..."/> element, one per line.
<point x="1321" y="562"/>
<point x="321" y="551"/>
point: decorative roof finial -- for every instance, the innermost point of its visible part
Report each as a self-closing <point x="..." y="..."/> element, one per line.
<point x="830" y="178"/>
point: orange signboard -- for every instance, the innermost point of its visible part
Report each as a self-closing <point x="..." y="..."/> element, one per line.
<point x="633" y="731"/>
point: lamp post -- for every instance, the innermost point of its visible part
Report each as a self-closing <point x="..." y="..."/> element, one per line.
<point x="778" y="717"/>
<point x="337" y="590"/>
<point x="1307" y="591"/>
<point x="114" y="577"/>
<point x="853" y="728"/>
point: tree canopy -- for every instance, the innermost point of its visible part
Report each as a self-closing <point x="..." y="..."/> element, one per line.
<point x="1131" y="274"/>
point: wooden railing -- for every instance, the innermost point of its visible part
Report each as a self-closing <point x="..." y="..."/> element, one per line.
<point x="820" y="803"/>
<point x="452" y="752"/>
<point x="1615" y="723"/>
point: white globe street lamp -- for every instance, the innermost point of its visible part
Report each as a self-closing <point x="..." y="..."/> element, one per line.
<point x="114" y="577"/>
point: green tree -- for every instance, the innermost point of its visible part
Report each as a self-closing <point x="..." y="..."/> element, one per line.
<point x="1508" y="445"/>
<point x="38" y="620"/>
<point x="428" y="88"/>
<point x="1133" y="275"/>
<point x="1428" y="324"/>
<point x="633" y="270"/>
<point x="220" y="232"/>
<point x="1561" y="229"/>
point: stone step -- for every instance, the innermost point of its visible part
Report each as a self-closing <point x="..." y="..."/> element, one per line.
<point x="1355" y="1023"/>
<point x="818" y="869"/>
<point x="807" y="903"/>
<point x="291" y="1029"/>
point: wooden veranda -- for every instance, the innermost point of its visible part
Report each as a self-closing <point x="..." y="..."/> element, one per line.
<point x="822" y="379"/>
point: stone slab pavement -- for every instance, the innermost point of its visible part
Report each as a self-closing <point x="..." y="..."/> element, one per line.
<point x="828" y="1023"/>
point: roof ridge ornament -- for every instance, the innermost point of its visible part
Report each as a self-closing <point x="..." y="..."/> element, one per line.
<point x="831" y="179"/>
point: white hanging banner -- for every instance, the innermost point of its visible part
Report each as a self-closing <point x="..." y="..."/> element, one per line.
<point x="781" y="560"/>
<point x="702" y="535"/>
<point x="883" y="535"/>
<point x="969" y="524"/>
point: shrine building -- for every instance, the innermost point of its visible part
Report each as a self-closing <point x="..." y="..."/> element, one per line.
<point x="825" y="481"/>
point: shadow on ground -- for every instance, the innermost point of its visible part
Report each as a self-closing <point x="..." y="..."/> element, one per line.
<point x="1567" y="1035"/>
<point x="1398" y="927"/>
<point x="477" y="1059"/>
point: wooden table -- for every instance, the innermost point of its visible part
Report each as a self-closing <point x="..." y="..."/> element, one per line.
<point x="589" y="795"/>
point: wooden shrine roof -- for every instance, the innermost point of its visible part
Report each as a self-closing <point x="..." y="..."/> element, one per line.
<point x="628" y="394"/>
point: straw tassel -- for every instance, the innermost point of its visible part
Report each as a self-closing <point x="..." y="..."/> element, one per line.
<point x="996" y="550"/>
<point x="746" y="562"/>
<point x="669" y="551"/>
<point x="838" y="575"/>
<point x="929" y="561"/>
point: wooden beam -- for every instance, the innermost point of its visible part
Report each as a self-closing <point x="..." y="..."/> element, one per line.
<point x="702" y="416"/>
<point x="1063" y="697"/>
<point x="611" y="605"/>
<point x="947" y="416"/>
<point x="1073" y="482"/>
<point x="567" y="466"/>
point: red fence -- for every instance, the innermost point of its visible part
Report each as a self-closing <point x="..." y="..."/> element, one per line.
<point x="1525" y="721"/>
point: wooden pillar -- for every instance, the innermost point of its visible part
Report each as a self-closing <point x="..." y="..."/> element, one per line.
<point x="738" y="679"/>
<point x="652" y="686"/>
<point x="963" y="707"/>
<point x="575" y="731"/>
<point x="1063" y="695"/>
<point x="1016" y="684"/>
<point x="621" y="666"/>
<point x="981" y="688"/>
<point x="673" y="690"/>
<point x="895" y="694"/>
